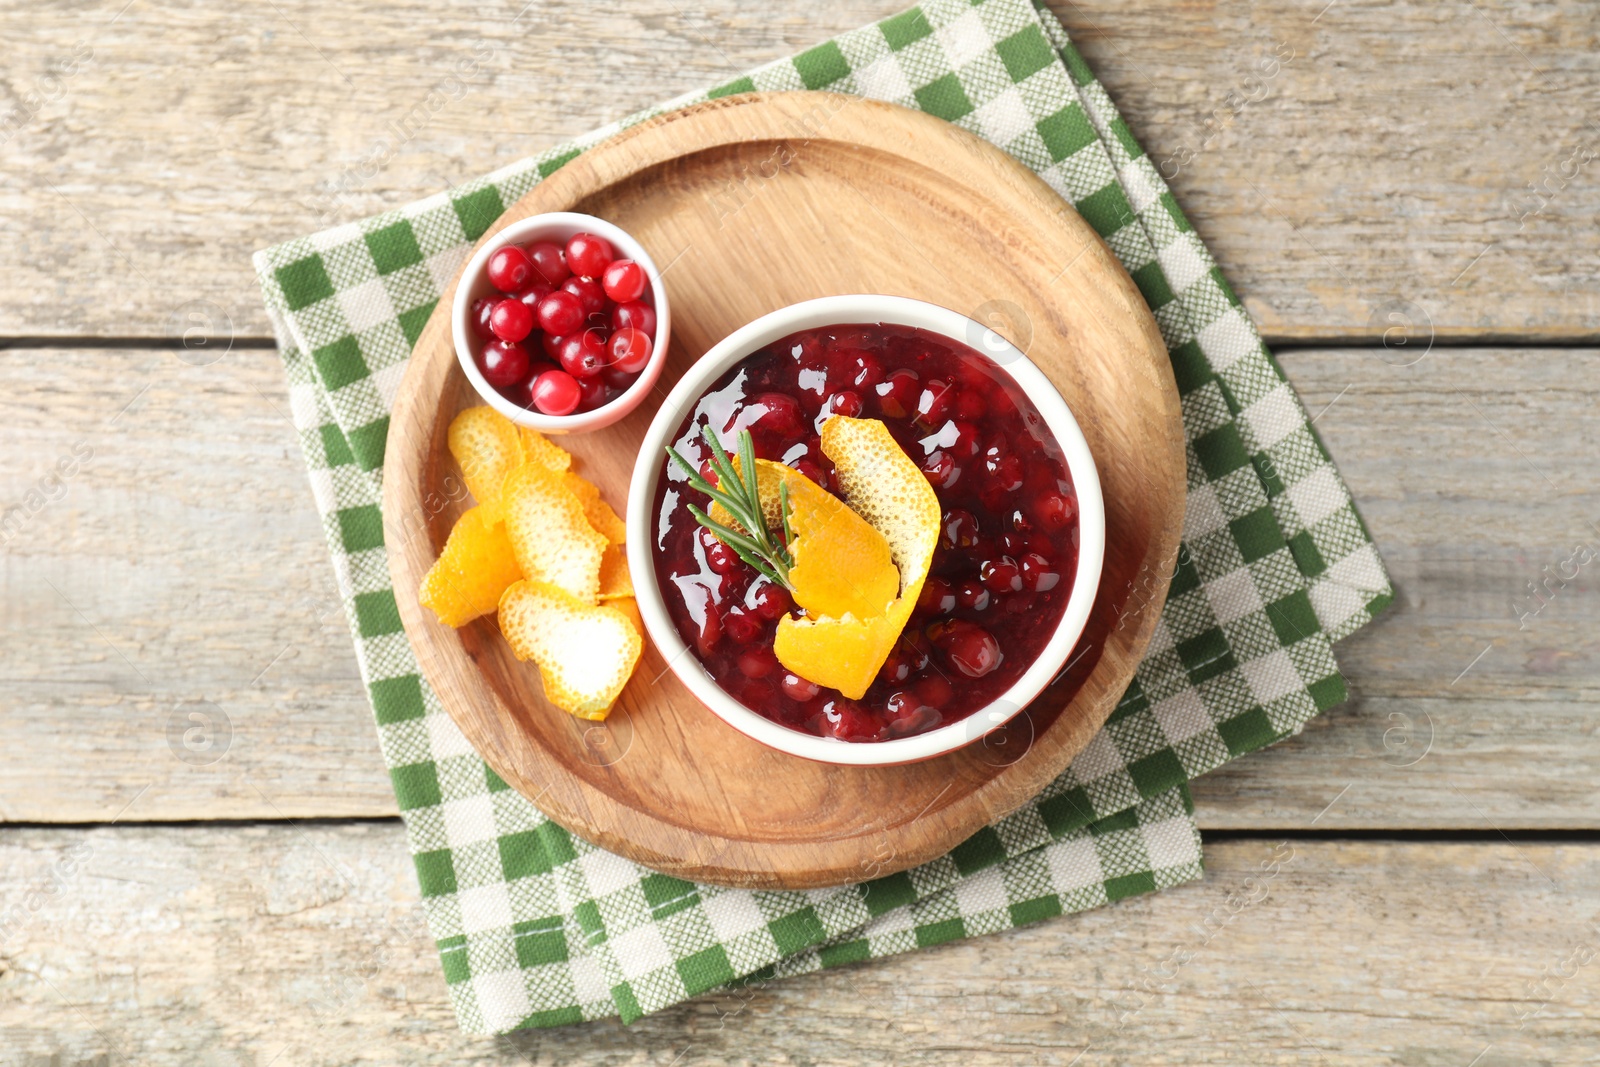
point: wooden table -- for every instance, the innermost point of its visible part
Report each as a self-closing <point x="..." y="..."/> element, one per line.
<point x="1442" y="903"/>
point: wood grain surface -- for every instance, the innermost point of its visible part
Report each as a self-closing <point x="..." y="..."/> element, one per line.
<point x="305" y="946"/>
<point x="1388" y="160"/>
<point x="190" y="546"/>
<point x="859" y="191"/>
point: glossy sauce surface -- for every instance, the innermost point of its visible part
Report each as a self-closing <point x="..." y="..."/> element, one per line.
<point x="1008" y="550"/>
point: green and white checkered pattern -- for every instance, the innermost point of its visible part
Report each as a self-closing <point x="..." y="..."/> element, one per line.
<point x="536" y="927"/>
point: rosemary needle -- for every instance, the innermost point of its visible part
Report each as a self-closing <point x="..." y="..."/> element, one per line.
<point x="738" y="490"/>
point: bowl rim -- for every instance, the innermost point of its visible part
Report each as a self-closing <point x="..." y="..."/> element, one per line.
<point x="885" y="310"/>
<point x="474" y="280"/>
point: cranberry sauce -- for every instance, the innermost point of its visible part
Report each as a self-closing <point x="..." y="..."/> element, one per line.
<point x="1004" y="567"/>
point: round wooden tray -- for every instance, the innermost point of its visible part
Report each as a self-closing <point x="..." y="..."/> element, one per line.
<point x="751" y="203"/>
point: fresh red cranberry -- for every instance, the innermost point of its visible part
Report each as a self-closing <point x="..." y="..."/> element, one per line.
<point x="623" y="280"/>
<point x="1038" y="574"/>
<point x="550" y="342"/>
<point x="590" y="296"/>
<point x="536" y="290"/>
<point x="722" y="559"/>
<point x="1005" y="472"/>
<point x="511" y="320"/>
<point x="583" y="355"/>
<point x="957" y="438"/>
<point x="593" y="393"/>
<point x="740" y="625"/>
<point x="937" y="598"/>
<point x="846" y="402"/>
<point x="757" y="662"/>
<point x="634" y="316"/>
<point x="934" y="402"/>
<point x="972" y="595"/>
<point x="482" y="309"/>
<point x="847" y="721"/>
<point x="805" y="349"/>
<point x="1000" y="575"/>
<point x="812" y="388"/>
<point x="972" y="649"/>
<point x="777" y="414"/>
<point x="1054" y="512"/>
<point x="810" y="453"/>
<point x="769" y="600"/>
<point x="960" y="529"/>
<point x="904" y="660"/>
<point x="894" y="670"/>
<point x="799" y="689"/>
<point x="900" y="702"/>
<point x="630" y="350"/>
<point x="813" y="356"/>
<point x="509" y="268"/>
<point x="522" y="393"/>
<point x="857" y="369"/>
<point x="942" y="470"/>
<point x="811" y="471"/>
<point x="504" y="363"/>
<point x="907" y="715"/>
<point x="707" y="629"/>
<point x="555" y="392"/>
<point x="963" y="438"/>
<point x="560" y="313"/>
<point x="731" y="588"/>
<point x="897" y="394"/>
<point x="549" y="261"/>
<point x="588" y="255"/>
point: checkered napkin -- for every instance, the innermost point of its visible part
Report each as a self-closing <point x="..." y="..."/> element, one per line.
<point x="536" y="927"/>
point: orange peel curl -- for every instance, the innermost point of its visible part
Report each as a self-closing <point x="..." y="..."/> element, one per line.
<point x="472" y="572"/>
<point x="549" y="533"/>
<point x="886" y="489"/>
<point x="585" y="652"/>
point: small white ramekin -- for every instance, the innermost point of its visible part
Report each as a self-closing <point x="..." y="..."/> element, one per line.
<point x="841" y="310"/>
<point x="557" y="226"/>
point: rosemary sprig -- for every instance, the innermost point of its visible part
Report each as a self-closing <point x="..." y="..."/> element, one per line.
<point x="739" y="493"/>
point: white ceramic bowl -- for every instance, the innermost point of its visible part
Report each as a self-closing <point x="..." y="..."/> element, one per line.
<point x="839" y="310"/>
<point x="557" y="226"/>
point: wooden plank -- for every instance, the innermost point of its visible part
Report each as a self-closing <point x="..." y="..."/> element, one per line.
<point x="1360" y="167"/>
<point x="180" y="569"/>
<point x="189" y="544"/>
<point x="1337" y="162"/>
<point x="305" y="946"/>
<point x="1471" y="468"/>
